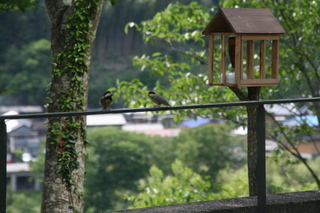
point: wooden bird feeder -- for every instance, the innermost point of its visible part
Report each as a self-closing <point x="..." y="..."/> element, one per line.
<point x="251" y="35"/>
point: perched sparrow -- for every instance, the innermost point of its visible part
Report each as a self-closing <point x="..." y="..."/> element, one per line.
<point x="158" y="99"/>
<point x="106" y="100"/>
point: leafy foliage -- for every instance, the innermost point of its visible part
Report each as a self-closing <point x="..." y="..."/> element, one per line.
<point x="180" y="70"/>
<point x="182" y="66"/>
<point x="289" y="175"/>
<point x="123" y="163"/>
<point x="183" y="187"/>
<point x="172" y="26"/>
<point x="186" y="186"/>
<point x="116" y="161"/>
<point x="111" y="54"/>
<point x="25" y="73"/>
<point x="299" y="57"/>
<point x="209" y="148"/>
<point x="17" y="5"/>
<point x="27" y="201"/>
<point x="299" y="68"/>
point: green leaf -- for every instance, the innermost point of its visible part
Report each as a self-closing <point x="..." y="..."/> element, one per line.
<point x="156" y="54"/>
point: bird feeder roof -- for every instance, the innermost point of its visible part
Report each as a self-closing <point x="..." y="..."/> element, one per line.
<point x="244" y="21"/>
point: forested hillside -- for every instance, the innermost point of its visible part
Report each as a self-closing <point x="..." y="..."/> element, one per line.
<point x="25" y="50"/>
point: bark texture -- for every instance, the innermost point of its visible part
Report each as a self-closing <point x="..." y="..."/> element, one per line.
<point x="253" y="95"/>
<point x="67" y="92"/>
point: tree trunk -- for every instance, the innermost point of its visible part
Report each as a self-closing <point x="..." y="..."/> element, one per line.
<point x="73" y="30"/>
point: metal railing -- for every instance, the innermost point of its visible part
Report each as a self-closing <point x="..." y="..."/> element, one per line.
<point x="261" y="169"/>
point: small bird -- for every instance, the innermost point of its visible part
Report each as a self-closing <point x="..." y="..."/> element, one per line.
<point x="158" y="99"/>
<point x="106" y="100"/>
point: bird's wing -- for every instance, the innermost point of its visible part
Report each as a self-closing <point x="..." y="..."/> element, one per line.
<point x="163" y="101"/>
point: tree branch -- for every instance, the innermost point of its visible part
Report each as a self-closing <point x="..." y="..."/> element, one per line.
<point x="296" y="152"/>
<point x="201" y="61"/>
<point x="239" y="94"/>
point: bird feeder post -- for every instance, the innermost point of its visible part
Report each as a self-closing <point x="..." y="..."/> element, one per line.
<point x="210" y="61"/>
<point x="237" y="61"/>
<point x="275" y="58"/>
<point x="242" y="29"/>
<point x="223" y="58"/>
<point x="250" y="60"/>
<point x="263" y="59"/>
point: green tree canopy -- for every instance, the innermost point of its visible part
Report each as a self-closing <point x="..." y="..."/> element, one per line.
<point x="209" y="148"/>
<point x="26" y="72"/>
<point x="17" y="5"/>
<point x="185" y="186"/>
<point x="117" y="160"/>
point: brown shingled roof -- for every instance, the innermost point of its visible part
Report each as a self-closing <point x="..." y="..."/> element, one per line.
<point x="244" y="21"/>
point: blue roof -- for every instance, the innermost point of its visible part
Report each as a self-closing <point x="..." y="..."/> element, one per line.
<point x="193" y="123"/>
<point x="311" y="120"/>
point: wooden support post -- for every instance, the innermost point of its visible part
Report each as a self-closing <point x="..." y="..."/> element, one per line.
<point x="262" y="59"/>
<point x="250" y="60"/>
<point x="275" y="58"/>
<point x="211" y="59"/>
<point x="223" y="58"/>
<point x="238" y="59"/>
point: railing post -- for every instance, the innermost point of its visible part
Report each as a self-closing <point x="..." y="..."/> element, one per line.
<point x="3" y="165"/>
<point x="261" y="160"/>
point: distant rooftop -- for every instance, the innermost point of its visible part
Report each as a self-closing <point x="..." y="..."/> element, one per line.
<point x="106" y="120"/>
<point x="18" y="167"/>
<point x="160" y="132"/>
<point x="142" y="127"/>
<point x="311" y="120"/>
<point x="21" y="109"/>
<point x="286" y="109"/>
<point x="193" y="123"/>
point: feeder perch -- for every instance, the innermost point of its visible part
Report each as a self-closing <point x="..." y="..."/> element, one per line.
<point x="252" y="36"/>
